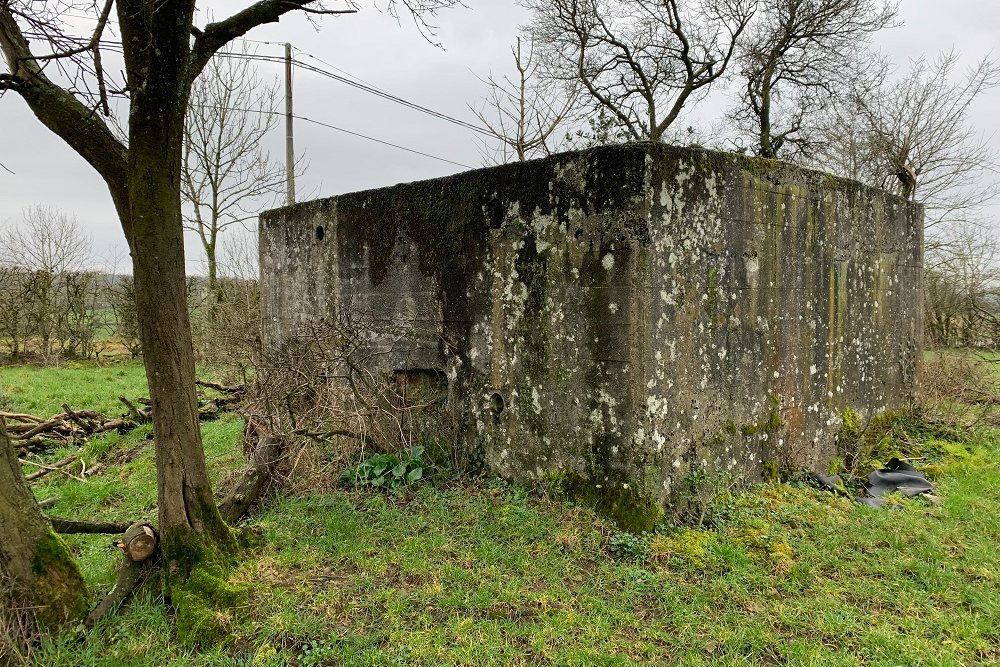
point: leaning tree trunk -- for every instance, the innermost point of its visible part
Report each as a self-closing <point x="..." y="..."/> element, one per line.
<point x="41" y="577"/>
<point x="190" y="524"/>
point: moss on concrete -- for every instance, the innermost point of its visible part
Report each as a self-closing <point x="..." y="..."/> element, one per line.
<point x="614" y="497"/>
<point x="772" y="423"/>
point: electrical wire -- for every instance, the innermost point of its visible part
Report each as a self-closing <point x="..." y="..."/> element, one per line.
<point x="358" y="83"/>
<point x="350" y="132"/>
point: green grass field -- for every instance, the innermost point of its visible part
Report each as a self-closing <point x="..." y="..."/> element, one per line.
<point x="481" y="573"/>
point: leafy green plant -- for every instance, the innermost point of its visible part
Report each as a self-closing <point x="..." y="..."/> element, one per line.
<point x="629" y="546"/>
<point x="387" y="471"/>
<point x="701" y="494"/>
<point x="317" y="653"/>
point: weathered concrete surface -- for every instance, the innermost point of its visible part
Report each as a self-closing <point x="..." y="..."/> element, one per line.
<point x="616" y="319"/>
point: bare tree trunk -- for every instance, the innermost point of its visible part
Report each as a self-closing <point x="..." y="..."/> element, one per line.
<point x="189" y="519"/>
<point x="44" y="577"/>
<point x="213" y="276"/>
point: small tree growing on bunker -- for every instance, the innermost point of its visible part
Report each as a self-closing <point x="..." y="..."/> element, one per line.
<point x="792" y="64"/>
<point x="638" y="61"/>
<point x="911" y="133"/>
<point x="523" y="114"/>
<point x="163" y="52"/>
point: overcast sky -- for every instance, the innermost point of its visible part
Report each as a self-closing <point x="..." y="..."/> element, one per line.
<point x="393" y="56"/>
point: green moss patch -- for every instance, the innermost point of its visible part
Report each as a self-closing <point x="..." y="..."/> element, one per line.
<point x="59" y="593"/>
<point x="615" y="498"/>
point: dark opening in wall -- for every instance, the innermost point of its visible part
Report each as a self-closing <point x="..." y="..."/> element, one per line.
<point x="320" y="233"/>
<point x="494" y="213"/>
<point x="420" y="386"/>
<point x="497" y="406"/>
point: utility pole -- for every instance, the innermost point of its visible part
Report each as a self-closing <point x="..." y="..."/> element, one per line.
<point x="289" y="144"/>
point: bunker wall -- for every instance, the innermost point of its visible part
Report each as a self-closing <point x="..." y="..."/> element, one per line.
<point x="615" y="320"/>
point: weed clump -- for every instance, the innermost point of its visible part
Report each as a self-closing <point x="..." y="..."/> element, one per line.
<point x="387" y="471"/>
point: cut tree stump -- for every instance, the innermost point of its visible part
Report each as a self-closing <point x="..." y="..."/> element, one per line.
<point x="139" y="542"/>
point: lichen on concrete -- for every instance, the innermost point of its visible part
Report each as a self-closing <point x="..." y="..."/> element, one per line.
<point x="603" y="315"/>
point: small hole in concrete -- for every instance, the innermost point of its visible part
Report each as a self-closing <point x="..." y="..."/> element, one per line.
<point x="320" y="233"/>
<point x="578" y="233"/>
<point x="497" y="404"/>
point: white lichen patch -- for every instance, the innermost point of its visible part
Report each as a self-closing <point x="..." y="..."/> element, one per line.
<point x="536" y="401"/>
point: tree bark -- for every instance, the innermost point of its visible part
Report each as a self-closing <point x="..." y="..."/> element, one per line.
<point x="189" y="519"/>
<point x="213" y="274"/>
<point x="38" y="565"/>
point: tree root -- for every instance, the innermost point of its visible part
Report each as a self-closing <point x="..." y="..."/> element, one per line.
<point x="255" y="481"/>
<point x="131" y="575"/>
<point x="140" y="548"/>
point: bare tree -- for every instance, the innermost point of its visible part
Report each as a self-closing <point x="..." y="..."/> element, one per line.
<point x="80" y="320"/>
<point x="163" y="53"/>
<point x="227" y="176"/>
<point x="15" y="283"/>
<point x="120" y="293"/>
<point x="962" y="289"/>
<point x="794" y="61"/>
<point x="641" y="61"/>
<point x="912" y="135"/>
<point x="51" y="248"/>
<point x="230" y="339"/>
<point x="523" y="114"/>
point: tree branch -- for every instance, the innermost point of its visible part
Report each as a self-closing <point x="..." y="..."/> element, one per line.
<point x="218" y="34"/>
<point x="74" y="526"/>
<point x="62" y="112"/>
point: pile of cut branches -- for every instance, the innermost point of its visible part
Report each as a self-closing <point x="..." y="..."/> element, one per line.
<point x="69" y="427"/>
<point x="209" y="408"/>
<point x="36" y="434"/>
<point x="73" y="427"/>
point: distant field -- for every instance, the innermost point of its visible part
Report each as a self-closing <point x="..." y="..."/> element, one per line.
<point x="481" y="573"/>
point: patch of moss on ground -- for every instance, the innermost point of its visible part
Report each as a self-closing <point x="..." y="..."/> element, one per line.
<point x="614" y="497"/>
<point x="207" y="605"/>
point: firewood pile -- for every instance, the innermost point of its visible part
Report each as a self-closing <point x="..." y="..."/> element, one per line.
<point x="35" y="434"/>
<point x="69" y="427"/>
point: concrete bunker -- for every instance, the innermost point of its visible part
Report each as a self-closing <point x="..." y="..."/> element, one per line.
<point x="617" y="319"/>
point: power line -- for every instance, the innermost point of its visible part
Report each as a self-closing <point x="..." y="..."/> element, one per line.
<point x="360" y="85"/>
<point x="386" y="143"/>
<point x="346" y="131"/>
<point x="354" y="81"/>
<point x="333" y="67"/>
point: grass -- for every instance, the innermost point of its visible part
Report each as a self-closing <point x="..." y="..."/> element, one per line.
<point x="126" y="490"/>
<point x="485" y="574"/>
<point x="83" y="385"/>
